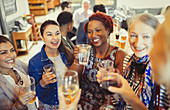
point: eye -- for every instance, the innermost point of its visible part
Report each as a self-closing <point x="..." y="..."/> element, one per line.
<point x="89" y="32"/>
<point x="146" y="37"/>
<point x="133" y="35"/>
<point x="57" y="33"/>
<point x="3" y="53"/>
<point x="12" y="50"/>
<point x="49" y="34"/>
<point x="98" y="30"/>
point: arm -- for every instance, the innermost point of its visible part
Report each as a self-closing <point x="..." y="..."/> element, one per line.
<point x="75" y="65"/>
<point x="81" y="35"/>
<point x="76" y="19"/>
<point x="128" y="95"/>
<point x="37" y="76"/>
<point x="120" y="55"/>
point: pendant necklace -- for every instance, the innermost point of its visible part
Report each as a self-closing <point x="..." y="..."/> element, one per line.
<point x="96" y="62"/>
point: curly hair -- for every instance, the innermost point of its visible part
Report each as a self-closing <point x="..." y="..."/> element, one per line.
<point x="105" y="19"/>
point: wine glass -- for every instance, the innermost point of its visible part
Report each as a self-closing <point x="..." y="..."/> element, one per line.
<point x="108" y="78"/>
<point x="68" y="85"/>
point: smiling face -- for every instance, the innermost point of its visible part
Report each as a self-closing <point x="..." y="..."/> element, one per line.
<point x="140" y="38"/>
<point x="97" y="33"/>
<point x="52" y="37"/>
<point x="7" y="56"/>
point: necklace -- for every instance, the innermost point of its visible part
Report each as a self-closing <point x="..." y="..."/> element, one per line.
<point x="96" y="62"/>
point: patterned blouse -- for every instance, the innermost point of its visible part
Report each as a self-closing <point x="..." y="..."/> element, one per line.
<point x="92" y="96"/>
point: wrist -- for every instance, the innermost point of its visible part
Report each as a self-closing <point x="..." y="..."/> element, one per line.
<point x="76" y="62"/>
<point x="42" y="84"/>
<point x="19" y="106"/>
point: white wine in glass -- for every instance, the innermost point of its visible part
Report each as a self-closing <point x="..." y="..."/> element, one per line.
<point x="68" y="85"/>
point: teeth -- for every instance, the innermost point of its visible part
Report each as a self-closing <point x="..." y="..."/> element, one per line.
<point x="10" y="61"/>
<point x="96" y="40"/>
<point x="54" y="42"/>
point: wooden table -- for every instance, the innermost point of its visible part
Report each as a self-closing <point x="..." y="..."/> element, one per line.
<point x="23" y="35"/>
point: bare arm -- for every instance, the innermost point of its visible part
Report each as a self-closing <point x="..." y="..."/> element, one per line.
<point x="120" y="55"/>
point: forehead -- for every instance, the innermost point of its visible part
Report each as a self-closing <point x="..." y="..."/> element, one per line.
<point x="85" y="3"/>
<point x="51" y="28"/>
<point x="95" y="24"/>
<point x="5" y="46"/>
<point x="138" y="26"/>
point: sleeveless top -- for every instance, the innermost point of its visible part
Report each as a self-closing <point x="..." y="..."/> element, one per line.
<point x="92" y="96"/>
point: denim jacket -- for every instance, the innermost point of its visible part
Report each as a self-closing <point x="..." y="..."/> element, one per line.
<point x="48" y="94"/>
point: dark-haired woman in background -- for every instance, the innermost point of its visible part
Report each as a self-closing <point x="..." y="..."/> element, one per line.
<point x="52" y="52"/>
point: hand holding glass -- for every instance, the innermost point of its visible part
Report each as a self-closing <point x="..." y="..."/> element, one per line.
<point x="68" y="85"/>
<point x="50" y="68"/>
<point x="84" y="52"/>
<point x="108" y="78"/>
<point x="28" y="86"/>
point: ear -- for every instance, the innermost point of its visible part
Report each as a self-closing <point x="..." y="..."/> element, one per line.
<point x="69" y="26"/>
<point x="42" y="37"/>
<point x="108" y="31"/>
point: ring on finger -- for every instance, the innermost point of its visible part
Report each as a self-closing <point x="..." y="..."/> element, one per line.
<point x="26" y="100"/>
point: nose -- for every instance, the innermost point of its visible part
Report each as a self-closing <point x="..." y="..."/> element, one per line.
<point x="94" y="34"/>
<point x="54" y="36"/>
<point x="139" y="41"/>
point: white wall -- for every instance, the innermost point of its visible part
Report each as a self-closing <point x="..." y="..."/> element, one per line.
<point x="143" y="3"/>
<point x="0" y="30"/>
<point x="22" y="9"/>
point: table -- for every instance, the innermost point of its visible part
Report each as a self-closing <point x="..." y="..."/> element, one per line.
<point x="23" y="35"/>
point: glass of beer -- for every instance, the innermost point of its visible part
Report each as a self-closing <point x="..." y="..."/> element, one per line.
<point x="27" y="86"/>
<point x="68" y="85"/>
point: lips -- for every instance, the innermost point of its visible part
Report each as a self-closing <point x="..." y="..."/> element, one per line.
<point x="96" y="40"/>
<point x="54" y="43"/>
<point x="10" y="61"/>
<point x="139" y="49"/>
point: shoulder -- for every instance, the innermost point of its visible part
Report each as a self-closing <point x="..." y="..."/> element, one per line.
<point x="36" y="57"/>
<point x="77" y="11"/>
<point x="120" y="54"/>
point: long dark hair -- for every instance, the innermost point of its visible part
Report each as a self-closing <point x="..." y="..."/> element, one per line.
<point x="62" y="47"/>
<point x="4" y="39"/>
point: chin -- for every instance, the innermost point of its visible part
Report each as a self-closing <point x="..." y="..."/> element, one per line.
<point x="140" y="54"/>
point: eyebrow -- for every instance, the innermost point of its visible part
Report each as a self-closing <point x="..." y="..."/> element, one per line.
<point x="3" y="51"/>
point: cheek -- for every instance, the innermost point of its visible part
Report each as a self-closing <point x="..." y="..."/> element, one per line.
<point x="131" y="41"/>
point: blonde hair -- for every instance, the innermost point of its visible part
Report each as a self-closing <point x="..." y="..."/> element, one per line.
<point x="146" y="18"/>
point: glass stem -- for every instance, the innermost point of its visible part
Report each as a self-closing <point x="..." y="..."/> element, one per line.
<point x="108" y="100"/>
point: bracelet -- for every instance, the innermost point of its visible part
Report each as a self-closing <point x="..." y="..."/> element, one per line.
<point x="76" y="63"/>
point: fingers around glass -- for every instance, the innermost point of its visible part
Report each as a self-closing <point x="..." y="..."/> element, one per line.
<point x="68" y="85"/>
<point x="28" y="86"/>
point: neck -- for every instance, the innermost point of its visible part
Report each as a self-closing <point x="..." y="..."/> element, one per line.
<point x="51" y="52"/>
<point x="63" y="31"/>
<point x="102" y="51"/>
<point x="5" y="71"/>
